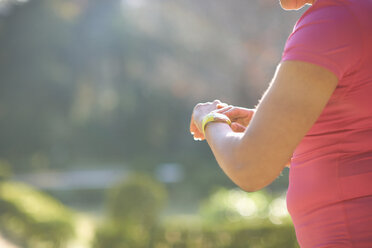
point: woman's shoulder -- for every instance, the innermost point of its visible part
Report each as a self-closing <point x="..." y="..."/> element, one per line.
<point x="328" y="34"/>
<point x="338" y="10"/>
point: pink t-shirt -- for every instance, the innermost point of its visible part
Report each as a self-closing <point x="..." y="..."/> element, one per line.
<point x="330" y="183"/>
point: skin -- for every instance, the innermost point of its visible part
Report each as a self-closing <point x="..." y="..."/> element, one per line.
<point x="295" y="4"/>
<point x="254" y="150"/>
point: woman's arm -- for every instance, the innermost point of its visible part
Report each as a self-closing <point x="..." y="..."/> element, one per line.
<point x="296" y="97"/>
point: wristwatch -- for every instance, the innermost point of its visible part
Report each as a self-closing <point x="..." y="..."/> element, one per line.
<point x="214" y="117"/>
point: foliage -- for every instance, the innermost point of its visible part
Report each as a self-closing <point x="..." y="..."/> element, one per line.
<point x="186" y="233"/>
<point x="134" y="207"/>
<point x="181" y="233"/>
<point x="229" y="218"/>
<point x="228" y="235"/>
<point x="32" y="218"/>
<point x="227" y="206"/>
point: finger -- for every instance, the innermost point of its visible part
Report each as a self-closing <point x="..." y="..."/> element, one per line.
<point x="192" y="125"/>
<point x="238" y="128"/>
<point x="237" y="112"/>
<point x="224" y="109"/>
<point x="233" y="113"/>
<point x="195" y="131"/>
<point x="199" y="136"/>
<point x="242" y="116"/>
<point x="218" y="104"/>
<point x="222" y="105"/>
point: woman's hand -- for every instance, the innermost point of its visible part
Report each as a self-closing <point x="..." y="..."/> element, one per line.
<point x="240" y="117"/>
<point x="199" y="112"/>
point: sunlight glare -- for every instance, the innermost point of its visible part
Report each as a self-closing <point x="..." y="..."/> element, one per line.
<point x="134" y="3"/>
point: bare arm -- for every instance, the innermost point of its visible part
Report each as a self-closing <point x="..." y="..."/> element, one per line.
<point x="291" y="105"/>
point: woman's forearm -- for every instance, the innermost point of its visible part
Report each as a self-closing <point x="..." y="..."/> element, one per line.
<point x="234" y="157"/>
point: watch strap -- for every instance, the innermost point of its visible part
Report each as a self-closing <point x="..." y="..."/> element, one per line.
<point x="214" y="117"/>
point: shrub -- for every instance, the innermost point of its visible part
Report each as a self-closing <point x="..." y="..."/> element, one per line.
<point x="134" y="207"/>
<point x="33" y="219"/>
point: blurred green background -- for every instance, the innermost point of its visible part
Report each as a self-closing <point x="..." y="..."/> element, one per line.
<point x="95" y="101"/>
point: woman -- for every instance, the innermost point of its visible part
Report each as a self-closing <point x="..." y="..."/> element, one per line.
<point x="317" y="114"/>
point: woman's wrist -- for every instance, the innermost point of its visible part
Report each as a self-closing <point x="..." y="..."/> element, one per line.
<point x="213" y="128"/>
<point x="214" y="117"/>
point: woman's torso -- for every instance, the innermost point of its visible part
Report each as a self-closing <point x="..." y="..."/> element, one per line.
<point x="331" y="169"/>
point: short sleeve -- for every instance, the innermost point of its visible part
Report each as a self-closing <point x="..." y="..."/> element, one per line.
<point x="327" y="35"/>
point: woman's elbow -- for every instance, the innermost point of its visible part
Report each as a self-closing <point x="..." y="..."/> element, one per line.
<point x="250" y="179"/>
<point x="249" y="186"/>
<point x="244" y="180"/>
<point x="246" y="173"/>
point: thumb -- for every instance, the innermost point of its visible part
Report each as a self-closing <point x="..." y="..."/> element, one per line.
<point x="238" y="128"/>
